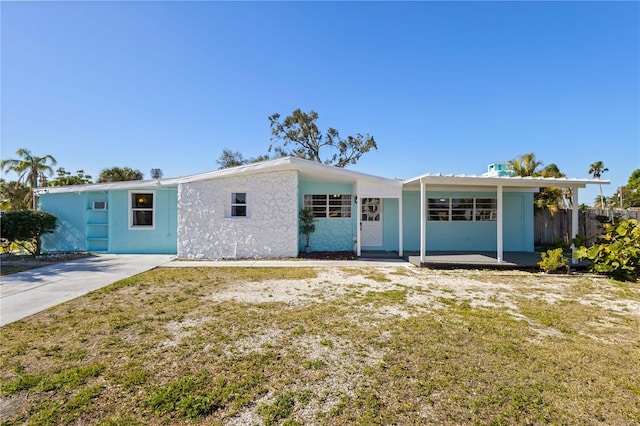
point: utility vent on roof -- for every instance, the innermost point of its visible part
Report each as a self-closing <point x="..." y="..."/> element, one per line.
<point x="99" y="205"/>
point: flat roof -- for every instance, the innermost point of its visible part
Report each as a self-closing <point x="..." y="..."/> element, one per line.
<point x="506" y="181"/>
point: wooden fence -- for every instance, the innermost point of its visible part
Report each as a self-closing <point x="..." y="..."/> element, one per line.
<point x="555" y="229"/>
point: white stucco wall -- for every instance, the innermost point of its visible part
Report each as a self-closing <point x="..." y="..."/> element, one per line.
<point x="206" y="229"/>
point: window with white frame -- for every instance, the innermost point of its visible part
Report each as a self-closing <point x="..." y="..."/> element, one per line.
<point x="438" y="209"/>
<point x="486" y="209"/>
<point x="238" y="204"/>
<point x="329" y="206"/>
<point x="142" y="207"/>
<point x="462" y="209"/>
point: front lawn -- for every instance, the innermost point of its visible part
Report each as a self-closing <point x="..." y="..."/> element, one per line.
<point x="278" y="346"/>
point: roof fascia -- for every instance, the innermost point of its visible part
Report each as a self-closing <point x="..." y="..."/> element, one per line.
<point x="526" y="182"/>
<point x="290" y="163"/>
<point x="110" y="186"/>
<point x="470" y="188"/>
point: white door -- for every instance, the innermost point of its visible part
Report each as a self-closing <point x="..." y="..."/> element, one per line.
<point x="371" y="222"/>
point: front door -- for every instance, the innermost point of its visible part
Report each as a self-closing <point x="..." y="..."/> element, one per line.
<point x="371" y="222"/>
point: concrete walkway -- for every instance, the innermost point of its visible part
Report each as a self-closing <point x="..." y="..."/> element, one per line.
<point x="27" y="293"/>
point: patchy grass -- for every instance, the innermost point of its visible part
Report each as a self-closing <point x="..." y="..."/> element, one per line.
<point x="406" y="347"/>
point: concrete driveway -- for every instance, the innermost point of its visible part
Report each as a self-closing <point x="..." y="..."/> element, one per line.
<point x="27" y="293"/>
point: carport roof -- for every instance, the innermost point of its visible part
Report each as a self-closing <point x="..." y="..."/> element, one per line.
<point x="505" y="181"/>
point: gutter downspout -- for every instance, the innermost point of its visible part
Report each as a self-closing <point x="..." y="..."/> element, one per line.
<point x="358" y="224"/>
<point x="400" y="226"/>
<point x="499" y="219"/>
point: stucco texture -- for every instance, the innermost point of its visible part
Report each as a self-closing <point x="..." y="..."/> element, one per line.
<point x="206" y="229"/>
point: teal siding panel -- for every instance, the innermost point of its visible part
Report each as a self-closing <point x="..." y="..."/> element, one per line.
<point x="97" y="222"/>
<point x="461" y="236"/>
<point x="70" y="230"/>
<point x="411" y="220"/>
<point x="331" y="234"/>
<point x="470" y="236"/>
<point x="518" y="222"/>
<point x="160" y="240"/>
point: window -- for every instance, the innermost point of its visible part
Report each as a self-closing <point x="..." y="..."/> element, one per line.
<point x="486" y="209"/>
<point x="462" y="209"/>
<point x="142" y="209"/>
<point x="238" y="204"/>
<point x="332" y="206"/>
<point x="438" y="208"/>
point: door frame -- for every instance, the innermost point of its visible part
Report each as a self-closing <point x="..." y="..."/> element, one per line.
<point x="375" y="230"/>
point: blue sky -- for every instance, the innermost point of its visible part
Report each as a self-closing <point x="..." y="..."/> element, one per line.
<point x="443" y="86"/>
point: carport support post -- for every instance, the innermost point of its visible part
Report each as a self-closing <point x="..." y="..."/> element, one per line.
<point x="358" y="224"/>
<point x="423" y="225"/>
<point x="574" y="221"/>
<point x="400" y="227"/>
<point x="499" y="253"/>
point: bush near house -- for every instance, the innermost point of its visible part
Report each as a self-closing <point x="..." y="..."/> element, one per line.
<point x="553" y="260"/>
<point x="25" y="228"/>
<point x="617" y="252"/>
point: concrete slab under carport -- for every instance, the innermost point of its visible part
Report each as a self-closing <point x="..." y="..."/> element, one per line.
<point x="479" y="259"/>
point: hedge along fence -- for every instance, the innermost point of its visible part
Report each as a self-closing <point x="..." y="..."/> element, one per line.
<point x="553" y="229"/>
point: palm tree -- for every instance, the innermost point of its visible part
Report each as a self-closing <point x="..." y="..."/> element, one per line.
<point x="525" y="165"/>
<point x="119" y="174"/>
<point x="550" y="197"/>
<point x="596" y="170"/>
<point x="29" y="168"/>
<point x="14" y="195"/>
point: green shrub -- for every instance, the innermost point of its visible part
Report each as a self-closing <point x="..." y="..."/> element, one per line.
<point x="25" y="228"/>
<point x="553" y="260"/>
<point x="186" y="397"/>
<point x="617" y="252"/>
<point x="281" y="408"/>
<point x="307" y="223"/>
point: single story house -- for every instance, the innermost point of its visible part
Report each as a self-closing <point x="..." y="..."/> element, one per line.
<point x="251" y="211"/>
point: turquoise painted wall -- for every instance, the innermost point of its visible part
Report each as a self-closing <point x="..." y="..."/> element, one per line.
<point x="338" y="234"/>
<point x="162" y="239"/>
<point x="331" y="234"/>
<point x="97" y="222"/>
<point x="518" y="223"/>
<point x="81" y="228"/>
<point x="468" y="236"/>
<point x="70" y="230"/>
<point x="411" y="220"/>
